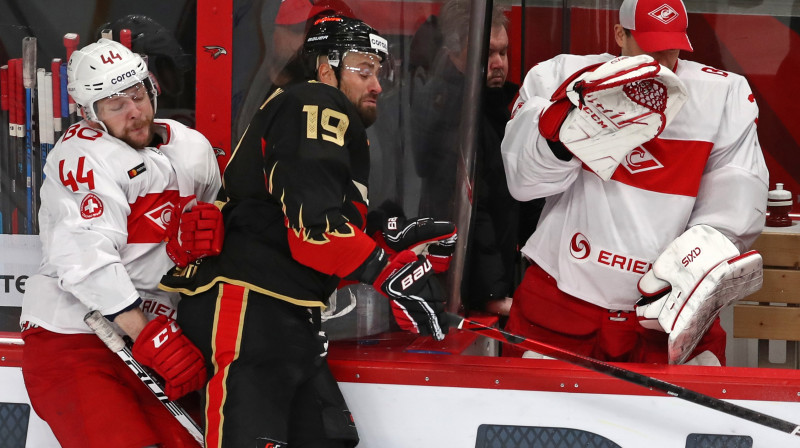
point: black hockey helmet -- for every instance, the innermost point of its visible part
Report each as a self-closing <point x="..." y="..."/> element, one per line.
<point x="335" y="35"/>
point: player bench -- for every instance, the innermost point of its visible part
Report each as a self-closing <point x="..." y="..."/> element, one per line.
<point x="773" y="313"/>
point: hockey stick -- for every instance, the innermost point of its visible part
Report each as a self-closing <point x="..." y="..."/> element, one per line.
<point x="64" y="97"/>
<point x="102" y="327"/>
<point x="17" y="103"/>
<point x="125" y="37"/>
<point x="5" y="164"/>
<point x="71" y="41"/>
<point x="29" y="82"/>
<point x="48" y="120"/>
<point x="624" y="374"/>
<point x="41" y="127"/>
<point x="55" y="68"/>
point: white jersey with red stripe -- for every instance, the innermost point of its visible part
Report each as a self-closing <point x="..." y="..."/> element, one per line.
<point x="598" y="238"/>
<point x="105" y="207"/>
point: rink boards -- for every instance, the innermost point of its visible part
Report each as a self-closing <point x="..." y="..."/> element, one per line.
<point x="406" y="394"/>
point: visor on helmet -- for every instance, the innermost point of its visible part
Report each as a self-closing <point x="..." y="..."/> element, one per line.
<point x="370" y="65"/>
<point x="119" y="103"/>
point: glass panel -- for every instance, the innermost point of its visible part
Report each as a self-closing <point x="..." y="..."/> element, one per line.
<point x="163" y="31"/>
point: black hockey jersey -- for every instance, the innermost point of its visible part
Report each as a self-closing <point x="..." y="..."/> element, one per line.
<point x="297" y="199"/>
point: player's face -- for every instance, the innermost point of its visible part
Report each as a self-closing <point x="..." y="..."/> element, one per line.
<point x="629" y="47"/>
<point x="497" y="68"/>
<point x="128" y="116"/>
<point x="359" y="82"/>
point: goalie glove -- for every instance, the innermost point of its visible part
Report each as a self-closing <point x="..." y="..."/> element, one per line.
<point x="603" y="112"/>
<point x="163" y="347"/>
<point x="417" y="298"/>
<point x="195" y="231"/>
<point x="698" y="275"/>
<point x="423" y="236"/>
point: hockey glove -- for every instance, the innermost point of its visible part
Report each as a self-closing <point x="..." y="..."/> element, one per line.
<point x="426" y="236"/>
<point x="195" y="231"/>
<point x="607" y="111"/>
<point x="696" y="276"/>
<point x="417" y="298"/>
<point x="162" y="346"/>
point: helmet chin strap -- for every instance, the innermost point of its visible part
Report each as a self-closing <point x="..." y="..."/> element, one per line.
<point x="94" y="119"/>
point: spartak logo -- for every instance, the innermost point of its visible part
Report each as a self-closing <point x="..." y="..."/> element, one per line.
<point x="664" y="14"/>
<point x="640" y="160"/>
<point x="161" y="215"/>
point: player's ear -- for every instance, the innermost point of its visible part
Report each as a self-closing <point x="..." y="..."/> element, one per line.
<point x="619" y="35"/>
<point x="325" y="74"/>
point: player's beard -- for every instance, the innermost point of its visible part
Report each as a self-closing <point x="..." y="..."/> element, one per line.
<point x="368" y="109"/>
<point x="139" y="134"/>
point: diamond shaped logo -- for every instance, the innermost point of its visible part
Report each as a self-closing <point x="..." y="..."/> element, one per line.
<point x="664" y="14"/>
<point x="640" y="160"/>
<point x="161" y="215"/>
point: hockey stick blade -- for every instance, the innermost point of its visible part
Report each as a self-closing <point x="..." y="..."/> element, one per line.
<point x="461" y="323"/>
<point x="102" y="327"/>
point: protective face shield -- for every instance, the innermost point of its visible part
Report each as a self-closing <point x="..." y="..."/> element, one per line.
<point x="368" y="65"/>
<point x="104" y="69"/>
<point x="118" y="103"/>
<point x="335" y="36"/>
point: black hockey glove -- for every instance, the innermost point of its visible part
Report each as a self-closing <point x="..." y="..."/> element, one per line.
<point x="426" y="236"/>
<point x="417" y="298"/>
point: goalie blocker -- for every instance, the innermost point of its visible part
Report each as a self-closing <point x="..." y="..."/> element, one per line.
<point x="698" y="274"/>
<point x="604" y="111"/>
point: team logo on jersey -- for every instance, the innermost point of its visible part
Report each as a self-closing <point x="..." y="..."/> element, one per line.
<point x="135" y="171"/>
<point x="579" y="247"/>
<point x="640" y="160"/>
<point x="664" y="14"/>
<point x="91" y="206"/>
<point x="161" y="215"/>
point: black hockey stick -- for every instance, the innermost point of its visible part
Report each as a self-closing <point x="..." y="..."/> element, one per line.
<point x="102" y="327"/>
<point x="624" y="374"/>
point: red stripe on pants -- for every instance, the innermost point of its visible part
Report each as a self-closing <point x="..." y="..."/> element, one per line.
<point x="226" y="338"/>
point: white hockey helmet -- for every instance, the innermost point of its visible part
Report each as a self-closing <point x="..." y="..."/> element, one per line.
<point x="102" y="69"/>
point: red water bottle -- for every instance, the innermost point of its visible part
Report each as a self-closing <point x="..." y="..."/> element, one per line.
<point x="779" y="204"/>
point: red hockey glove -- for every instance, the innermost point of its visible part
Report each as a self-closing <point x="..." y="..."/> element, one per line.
<point x="195" y="231"/>
<point x="426" y="236"/>
<point x="417" y="298"/>
<point x="162" y="346"/>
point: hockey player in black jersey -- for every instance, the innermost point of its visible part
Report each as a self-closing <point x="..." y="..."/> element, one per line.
<point x="294" y="228"/>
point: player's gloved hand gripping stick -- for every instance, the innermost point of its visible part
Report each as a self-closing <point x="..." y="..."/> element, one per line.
<point x="102" y="327"/>
<point x="417" y="298"/>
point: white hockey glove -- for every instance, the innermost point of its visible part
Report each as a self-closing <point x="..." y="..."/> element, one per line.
<point x="603" y="112"/>
<point x="696" y="276"/>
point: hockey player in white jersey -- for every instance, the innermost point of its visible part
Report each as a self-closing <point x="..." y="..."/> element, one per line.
<point x="114" y="183"/>
<point x="656" y="186"/>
